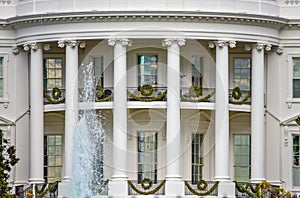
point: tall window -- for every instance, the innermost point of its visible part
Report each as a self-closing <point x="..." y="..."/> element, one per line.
<point x="197" y="157"/>
<point x="296" y="163"/>
<point x="147" y="69"/>
<point x="147" y="156"/>
<point x="242" y="148"/>
<point x="1" y="78"/>
<point x="52" y="157"/>
<point x="197" y="62"/>
<point x="296" y="77"/>
<point x="99" y="70"/>
<point x="242" y="73"/>
<point x="53" y="73"/>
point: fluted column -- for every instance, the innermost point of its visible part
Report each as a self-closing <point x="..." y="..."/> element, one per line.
<point x="173" y="169"/>
<point x="257" y="114"/>
<point x="118" y="186"/>
<point x="71" y="112"/>
<point x="36" y="114"/>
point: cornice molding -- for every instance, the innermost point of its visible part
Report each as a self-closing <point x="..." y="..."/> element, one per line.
<point x="172" y="16"/>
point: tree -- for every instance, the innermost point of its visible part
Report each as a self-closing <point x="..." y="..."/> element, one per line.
<point x="7" y="160"/>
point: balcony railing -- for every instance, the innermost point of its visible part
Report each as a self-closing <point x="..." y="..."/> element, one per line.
<point x="100" y="95"/>
<point x="147" y="93"/>
<point x="197" y="94"/>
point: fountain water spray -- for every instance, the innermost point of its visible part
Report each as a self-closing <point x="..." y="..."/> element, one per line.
<point x="87" y="160"/>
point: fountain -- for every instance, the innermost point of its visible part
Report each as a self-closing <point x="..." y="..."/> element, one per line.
<point x="87" y="160"/>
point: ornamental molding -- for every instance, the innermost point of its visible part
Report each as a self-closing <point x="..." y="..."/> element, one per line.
<point x="172" y="16"/>
<point x="292" y="2"/>
<point x="123" y="41"/>
<point x="15" y="50"/>
<point x="169" y="42"/>
<point x="5" y="2"/>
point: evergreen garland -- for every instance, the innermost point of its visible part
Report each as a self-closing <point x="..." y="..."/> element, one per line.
<point x="150" y="99"/>
<point x="146" y="192"/>
<point x="204" y="99"/>
<point x="243" y="101"/>
<point x="261" y="190"/>
<point x="201" y="186"/>
<point x="195" y="91"/>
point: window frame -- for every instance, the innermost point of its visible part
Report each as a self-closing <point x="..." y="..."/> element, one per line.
<point x="233" y="154"/>
<point x="290" y="98"/>
<point x="201" y="156"/>
<point x="45" y="165"/>
<point x="4" y="99"/>
<point x="156" y="153"/>
<point x="56" y="56"/>
<point x="138" y="65"/>
<point x="201" y="70"/>
<point x="231" y="68"/>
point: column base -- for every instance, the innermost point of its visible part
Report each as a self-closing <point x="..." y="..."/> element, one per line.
<point x="118" y="187"/>
<point x="174" y="187"/>
<point x="226" y="189"/>
<point x="64" y="188"/>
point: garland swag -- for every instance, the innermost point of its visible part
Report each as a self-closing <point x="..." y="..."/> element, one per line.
<point x="201" y="186"/>
<point x="146" y="184"/>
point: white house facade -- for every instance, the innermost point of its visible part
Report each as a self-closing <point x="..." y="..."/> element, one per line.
<point x="190" y="92"/>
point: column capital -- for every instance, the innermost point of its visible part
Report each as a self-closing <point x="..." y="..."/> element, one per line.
<point x="61" y="43"/>
<point x="222" y="43"/>
<point x="169" y="42"/>
<point x="258" y="46"/>
<point x="279" y="50"/>
<point x="15" y="50"/>
<point x="72" y="43"/>
<point x="114" y="41"/>
<point x="46" y="46"/>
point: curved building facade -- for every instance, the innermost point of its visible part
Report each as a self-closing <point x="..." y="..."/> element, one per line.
<point x="189" y="91"/>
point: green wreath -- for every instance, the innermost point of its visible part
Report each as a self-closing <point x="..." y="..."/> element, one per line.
<point x="56" y="93"/>
<point x="99" y="91"/>
<point x="147" y="183"/>
<point x="146" y="90"/>
<point x="236" y="93"/>
<point x="201" y="184"/>
<point x="195" y="91"/>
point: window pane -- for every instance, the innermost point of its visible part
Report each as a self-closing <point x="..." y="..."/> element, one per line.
<point x="197" y="158"/>
<point x="242" y="157"/>
<point x="242" y="73"/>
<point x="296" y="69"/>
<point x="147" y="156"/>
<point x="147" y="69"/>
<point x="53" y="157"/>
<point x="296" y="88"/>
<point x="53" y="73"/>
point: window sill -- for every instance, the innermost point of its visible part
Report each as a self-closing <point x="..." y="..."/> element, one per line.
<point x="291" y="101"/>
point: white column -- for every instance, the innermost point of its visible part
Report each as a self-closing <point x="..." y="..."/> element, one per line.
<point x="221" y="113"/>
<point x="174" y="185"/>
<point x="226" y="188"/>
<point x="118" y="185"/>
<point x="36" y="115"/>
<point x="257" y="114"/>
<point x="71" y="111"/>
